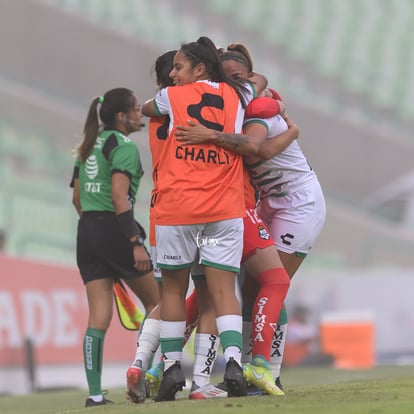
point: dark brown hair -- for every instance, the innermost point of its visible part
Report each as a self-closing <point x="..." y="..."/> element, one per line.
<point x="204" y="51"/>
<point x="114" y="101"/>
<point x="163" y="67"/>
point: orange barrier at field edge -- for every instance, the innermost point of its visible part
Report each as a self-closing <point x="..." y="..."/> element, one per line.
<point x="349" y="339"/>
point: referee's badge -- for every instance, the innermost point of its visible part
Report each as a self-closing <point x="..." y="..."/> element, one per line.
<point x="263" y="233"/>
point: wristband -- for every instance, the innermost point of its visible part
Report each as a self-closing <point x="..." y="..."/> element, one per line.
<point x="128" y="225"/>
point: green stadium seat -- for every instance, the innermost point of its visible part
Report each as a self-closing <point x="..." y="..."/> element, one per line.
<point x="365" y="45"/>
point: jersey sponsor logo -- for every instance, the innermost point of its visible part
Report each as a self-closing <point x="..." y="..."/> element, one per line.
<point x="99" y="142"/>
<point x="206" y="241"/>
<point x="125" y="138"/>
<point x="91" y="170"/>
<point x="285" y="238"/>
<point x="263" y="233"/>
<point x="207" y="100"/>
<point x="91" y="167"/>
<point x="211" y="355"/>
<point x="171" y="257"/>
<point x="259" y="320"/>
<point x="162" y="131"/>
<point x="88" y="352"/>
<point x="202" y="155"/>
<point x="92" y="187"/>
<point x="278" y="337"/>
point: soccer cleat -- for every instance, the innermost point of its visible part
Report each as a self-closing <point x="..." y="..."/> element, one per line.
<point x="253" y="391"/>
<point x="173" y="380"/>
<point x="92" y="403"/>
<point x="153" y="379"/>
<point x="278" y="383"/>
<point x="258" y="373"/>
<point x="223" y="386"/>
<point x="135" y="384"/>
<point x="205" y="392"/>
<point x="234" y="379"/>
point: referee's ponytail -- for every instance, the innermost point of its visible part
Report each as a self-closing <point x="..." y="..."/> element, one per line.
<point x="103" y="109"/>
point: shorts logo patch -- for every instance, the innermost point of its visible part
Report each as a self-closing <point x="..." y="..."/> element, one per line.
<point x="285" y="238"/>
<point x="171" y="257"/>
<point x="202" y="240"/>
<point x="263" y="233"/>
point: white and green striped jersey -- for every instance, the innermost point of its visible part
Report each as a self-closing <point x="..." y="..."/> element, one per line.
<point x="285" y="173"/>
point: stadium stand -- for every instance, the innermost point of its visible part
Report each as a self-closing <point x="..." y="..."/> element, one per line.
<point x="344" y="69"/>
<point x="36" y="209"/>
<point x="364" y="45"/>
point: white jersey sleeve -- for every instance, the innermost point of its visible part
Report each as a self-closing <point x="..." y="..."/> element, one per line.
<point x="284" y="173"/>
<point x="162" y="101"/>
<point x="249" y="92"/>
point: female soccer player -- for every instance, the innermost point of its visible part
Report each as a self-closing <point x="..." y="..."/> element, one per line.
<point x="291" y="201"/>
<point x="110" y="243"/>
<point x="199" y="208"/>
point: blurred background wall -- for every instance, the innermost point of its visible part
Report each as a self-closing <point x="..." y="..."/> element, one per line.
<point x="344" y="69"/>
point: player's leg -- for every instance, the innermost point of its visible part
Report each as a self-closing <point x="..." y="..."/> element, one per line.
<point x="100" y="301"/>
<point x="206" y="345"/>
<point x="220" y="252"/>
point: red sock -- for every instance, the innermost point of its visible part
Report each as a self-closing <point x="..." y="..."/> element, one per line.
<point x="274" y="285"/>
<point x="191" y="309"/>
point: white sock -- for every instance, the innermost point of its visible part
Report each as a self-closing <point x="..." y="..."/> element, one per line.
<point x="157" y="357"/>
<point x="278" y="347"/>
<point x="148" y="341"/>
<point x="233" y="323"/>
<point x="173" y="332"/>
<point x="205" y="351"/>
<point x="96" y="398"/>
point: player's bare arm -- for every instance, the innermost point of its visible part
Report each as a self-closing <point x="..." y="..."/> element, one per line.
<point x="275" y="145"/>
<point x="198" y="134"/>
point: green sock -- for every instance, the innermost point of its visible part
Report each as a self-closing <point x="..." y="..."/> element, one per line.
<point x="283" y="316"/>
<point x="231" y="338"/>
<point x="92" y="357"/>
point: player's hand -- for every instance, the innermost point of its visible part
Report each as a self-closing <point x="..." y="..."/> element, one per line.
<point x="282" y="107"/>
<point x="194" y="133"/>
<point x="141" y="259"/>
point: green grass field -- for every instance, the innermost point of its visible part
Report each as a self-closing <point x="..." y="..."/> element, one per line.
<point x="383" y="390"/>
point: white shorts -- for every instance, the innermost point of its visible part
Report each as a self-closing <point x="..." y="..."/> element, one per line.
<point x="219" y="244"/>
<point x="157" y="270"/>
<point x="295" y="220"/>
<point x="197" y="270"/>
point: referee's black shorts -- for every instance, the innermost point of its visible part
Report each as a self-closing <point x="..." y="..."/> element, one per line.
<point x="102" y="250"/>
